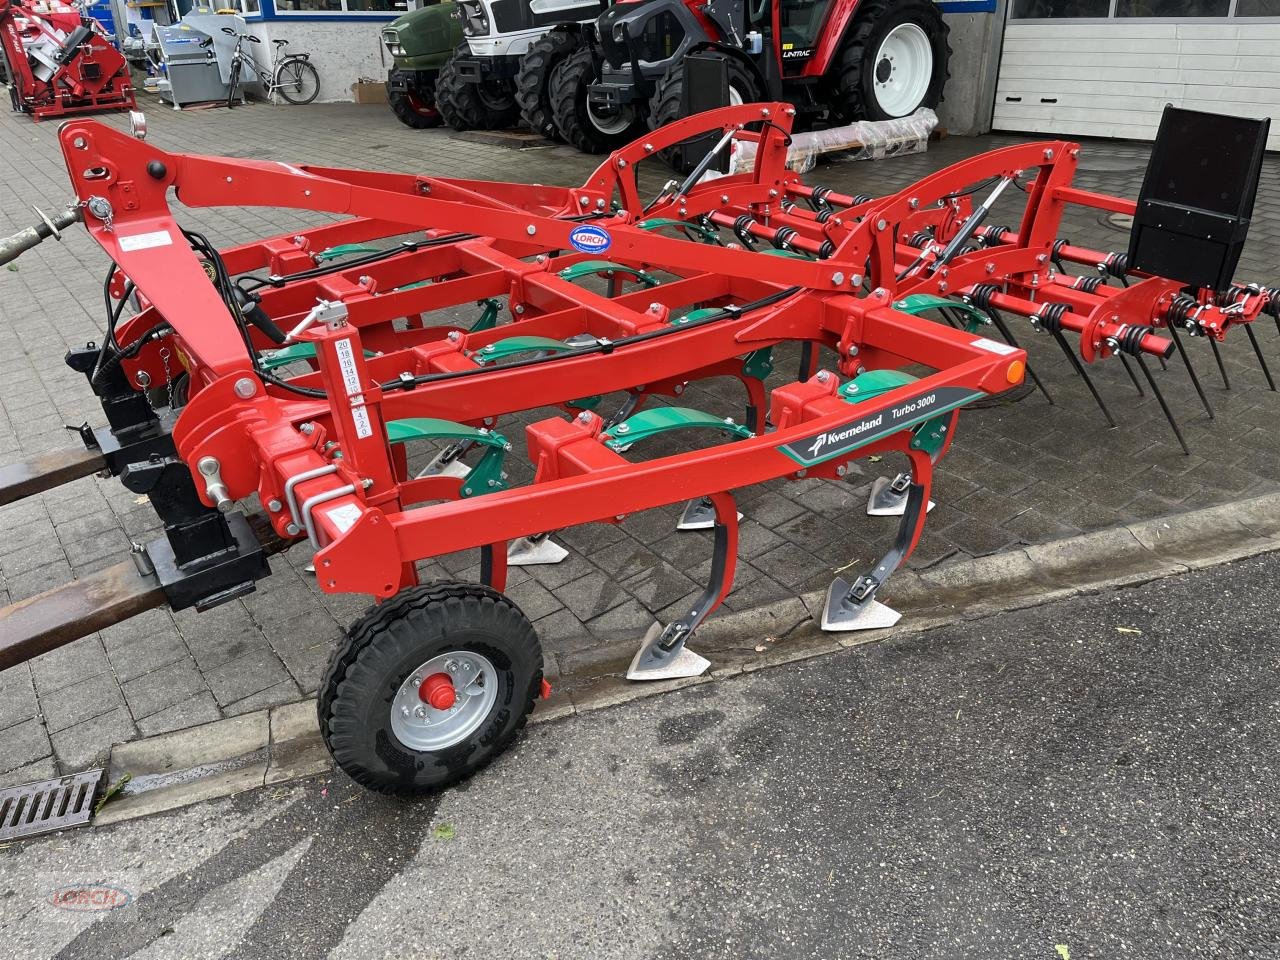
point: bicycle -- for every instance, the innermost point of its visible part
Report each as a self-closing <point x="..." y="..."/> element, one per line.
<point x="294" y="76"/>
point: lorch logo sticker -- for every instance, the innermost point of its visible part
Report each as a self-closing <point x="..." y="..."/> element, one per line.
<point x="876" y="424"/>
<point x="90" y="897"/>
<point x="588" y="239"/>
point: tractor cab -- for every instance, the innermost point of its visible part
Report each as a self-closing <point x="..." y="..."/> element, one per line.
<point x="798" y="28"/>
<point x="853" y="59"/>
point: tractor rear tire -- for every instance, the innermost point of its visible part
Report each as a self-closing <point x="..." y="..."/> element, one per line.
<point x="533" y="81"/>
<point x="474" y="106"/>
<point x="667" y="103"/>
<point x="387" y="735"/>
<point x="880" y="74"/>
<point x="577" y="123"/>
<point x="414" y="107"/>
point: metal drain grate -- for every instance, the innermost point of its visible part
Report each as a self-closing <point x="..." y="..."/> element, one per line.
<point x="35" y="808"/>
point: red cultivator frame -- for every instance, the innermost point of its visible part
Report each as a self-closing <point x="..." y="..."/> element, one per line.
<point x="436" y="680"/>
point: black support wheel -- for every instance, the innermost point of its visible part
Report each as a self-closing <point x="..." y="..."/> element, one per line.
<point x="590" y="128"/>
<point x="429" y="687"/>
<point x="475" y="106"/>
<point x="233" y="85"/>
<point x="533" y="80"/>
<point x="667" y="103"/>
<point x="894" y="61"/>
<point x="414" y="102"/>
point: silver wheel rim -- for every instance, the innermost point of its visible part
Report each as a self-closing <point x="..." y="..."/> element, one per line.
<point x="610" y="124"/>
<point x="903" y="69"/>
<point x="735" y="97"/>
<point x="421" y="727"/>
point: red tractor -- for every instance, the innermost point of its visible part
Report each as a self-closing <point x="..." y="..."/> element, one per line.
<point x="833" y="59"/>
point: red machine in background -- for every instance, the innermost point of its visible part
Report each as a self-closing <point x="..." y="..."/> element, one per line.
<point x="60" y="61"/>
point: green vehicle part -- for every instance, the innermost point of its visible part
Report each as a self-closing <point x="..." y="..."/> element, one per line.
<point x="918" y="303"/>
<point x="501" y="349"/>
<point x="486" y="476"/>
<point x="420" y="43"/>
<point x="607" y="268"/>
<point x="345" y="250"/>
<point x="650" y="423"/>
<point x="423" y="39"/>
<point x="293" y="353"/>
<point x="701" y="233"/>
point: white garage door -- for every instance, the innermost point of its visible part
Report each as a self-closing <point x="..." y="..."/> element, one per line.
<point x="1106" y="68"/>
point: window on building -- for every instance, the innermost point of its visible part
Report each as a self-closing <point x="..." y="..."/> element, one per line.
<point x="1173" y="8"/>
<point x="322" y="7"/>
<point x="1258" y="8"/>
<point x="1151" y="9"/>
<point x="1056" y="9"/>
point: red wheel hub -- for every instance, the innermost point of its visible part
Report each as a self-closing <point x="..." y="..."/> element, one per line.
<point x="437" y="691"/>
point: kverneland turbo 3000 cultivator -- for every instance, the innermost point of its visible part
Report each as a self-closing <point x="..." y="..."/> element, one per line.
<point x="268" y="393"/>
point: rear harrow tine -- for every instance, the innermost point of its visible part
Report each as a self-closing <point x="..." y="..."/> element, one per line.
<point x="1084" y="375"/>
<point x="1191" y="371"/>
<point x="1005" y="332"/>
<point x="1262" y="361"/>
<point x="1124" y="362"/>
<point x="1217" y="355"/>
<point x="1168" y="414"/>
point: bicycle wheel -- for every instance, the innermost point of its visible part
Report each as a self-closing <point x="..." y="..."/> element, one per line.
<point x="233" y="84"/>
<point x="297" y="80"/>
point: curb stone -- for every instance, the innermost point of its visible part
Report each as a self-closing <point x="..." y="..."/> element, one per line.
<point x="282" y="744"/>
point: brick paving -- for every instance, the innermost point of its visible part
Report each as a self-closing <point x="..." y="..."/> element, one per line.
<point x="1019" y="473"/>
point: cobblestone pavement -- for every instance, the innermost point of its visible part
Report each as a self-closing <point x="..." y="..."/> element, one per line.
<point x="1019" y="473"/>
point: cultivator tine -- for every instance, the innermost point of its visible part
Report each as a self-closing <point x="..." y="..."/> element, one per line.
<point x="1168" y="414"/>
<point x="853" y="606"/>
<point x="1217" y="356"/>
<point x="889" y="497"/>
<point x="448" y="462"/>
<point x="1262" y="361"/>
<point x="663" y="654"/>
<point x="1124" y="362"/>
<point x="699" y="514"/>
<point x="534" y="551"/>
<point x="1191" y="371"/>
<point x="1084" y="375"/>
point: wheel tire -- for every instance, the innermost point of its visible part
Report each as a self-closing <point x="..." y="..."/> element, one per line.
<point x="568" y="96"/>
<point x="855" y="96"/>
<point x="387" y="645"/>
<point x="533" y="81"/>
<point x="666" y="104"/>
<point x="474" y="106"/>
<point x="415" y="109"/>
<point x="301" y="70"/>
<point x="233" y="84"/>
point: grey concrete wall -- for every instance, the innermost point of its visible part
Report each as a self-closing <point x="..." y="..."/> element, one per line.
<point x="975" y="57"/>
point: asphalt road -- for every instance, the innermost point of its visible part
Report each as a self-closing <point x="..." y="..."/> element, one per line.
<point x="1093" y="778"/>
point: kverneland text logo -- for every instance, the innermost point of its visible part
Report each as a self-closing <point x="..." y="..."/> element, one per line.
<point x="836" y="437"/>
